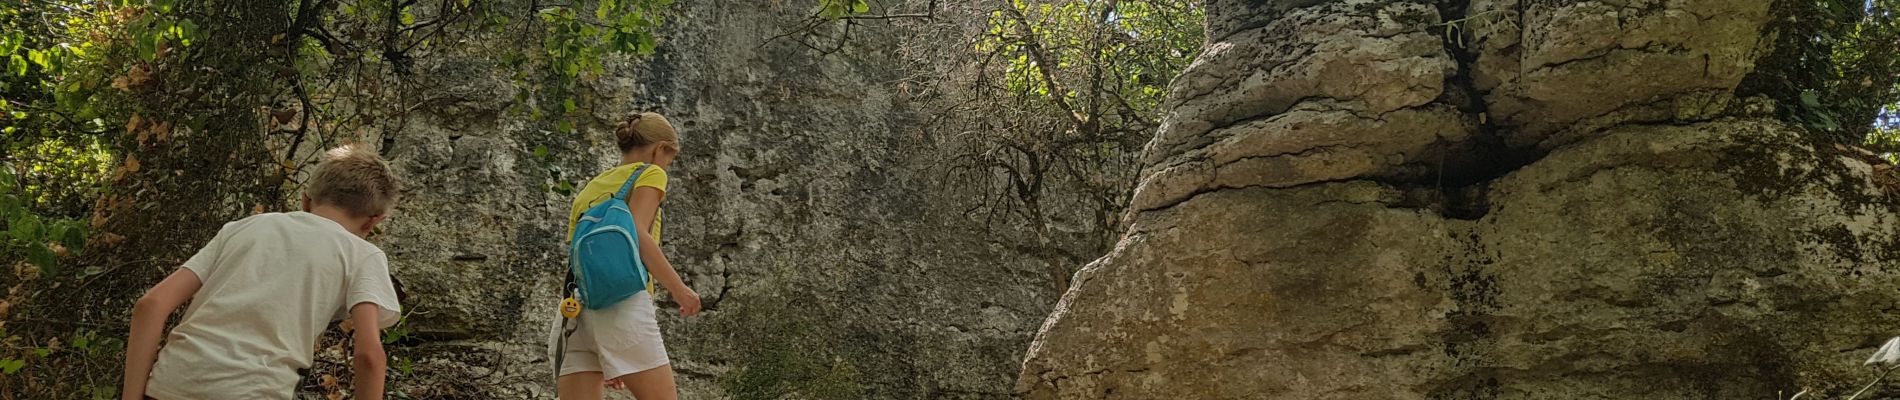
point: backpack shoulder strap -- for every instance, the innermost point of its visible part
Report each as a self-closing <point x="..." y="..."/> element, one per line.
<point x="628" y="187"/>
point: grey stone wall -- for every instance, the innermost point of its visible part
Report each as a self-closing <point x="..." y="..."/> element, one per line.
<point x="807" y="209"/>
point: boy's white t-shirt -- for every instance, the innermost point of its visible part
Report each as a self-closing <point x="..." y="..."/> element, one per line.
<point x="272" y="284"/>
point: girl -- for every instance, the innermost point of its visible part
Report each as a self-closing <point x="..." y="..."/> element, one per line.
<point x="620" y="344"/>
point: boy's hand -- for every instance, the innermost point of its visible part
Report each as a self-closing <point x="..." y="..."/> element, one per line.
<point x="689" y="301"/>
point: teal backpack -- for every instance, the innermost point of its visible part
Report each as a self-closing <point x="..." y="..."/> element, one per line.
<point x="604" y="258"/>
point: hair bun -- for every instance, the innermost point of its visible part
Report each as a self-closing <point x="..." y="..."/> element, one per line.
<point x="641" y="129"/>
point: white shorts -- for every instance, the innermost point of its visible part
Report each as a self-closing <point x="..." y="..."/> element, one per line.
<point x="621" y="339"/>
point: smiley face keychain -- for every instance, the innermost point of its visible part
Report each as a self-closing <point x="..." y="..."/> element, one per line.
<point x="570" y="307"/>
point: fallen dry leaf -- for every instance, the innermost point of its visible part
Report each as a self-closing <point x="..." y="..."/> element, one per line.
<point x="137" y="76"/>
<point x="162" y="130"/>
<point x="27" y="273"/>
<point x="284" y="116"/>
<point x="110" y="239"/>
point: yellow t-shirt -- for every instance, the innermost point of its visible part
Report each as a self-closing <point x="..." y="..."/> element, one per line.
<point x="602" y="188"/>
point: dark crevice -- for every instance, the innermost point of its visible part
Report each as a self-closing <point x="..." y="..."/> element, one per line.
<point x="1465" y="170"/>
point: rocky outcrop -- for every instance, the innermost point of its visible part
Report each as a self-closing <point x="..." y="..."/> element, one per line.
<point x="806" y="209"/>
<point x="1557" y="200"/>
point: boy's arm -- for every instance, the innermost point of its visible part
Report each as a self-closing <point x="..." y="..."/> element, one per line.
<point x="645" y="204"/>
<point x="371" y="364"/>
<point x="148" y="327"/>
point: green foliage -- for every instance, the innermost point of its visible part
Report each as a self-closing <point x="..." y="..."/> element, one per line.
<point x="139" y="120"/>
<point x="1835" y="68"/>
<point x="575" y="44"/>
<point x="404" y="366"/>
<point x="576" y="40"/>
<point x="835" y="9"/>
<point x="1065" y="93"/>
<point x="29" y="236"/>
<point x="792" y="356"/>
<point x="89" y="343"/>
<point x="54" y="57"/>
<point x="398" y="332"/>
<point x="1103" y="65"/>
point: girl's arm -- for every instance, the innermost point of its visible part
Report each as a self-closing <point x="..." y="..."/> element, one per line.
<point x="645" y="204"/>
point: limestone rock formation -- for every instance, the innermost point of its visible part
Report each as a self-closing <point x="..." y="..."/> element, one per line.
<point x="806" y="210"/>
<point x="1559" y="200"/>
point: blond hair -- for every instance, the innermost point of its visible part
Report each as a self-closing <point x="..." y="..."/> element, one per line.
<point x="354" y="179"/>
<point x="644" y="129"/>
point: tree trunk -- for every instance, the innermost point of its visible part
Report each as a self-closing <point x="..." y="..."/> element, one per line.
<point x="1483" y="199"/>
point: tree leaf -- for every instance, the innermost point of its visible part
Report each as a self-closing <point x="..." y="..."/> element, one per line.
<point x="26" y="228"/>
<point x="606" y="7"/>
<point x="42" y="256"/>
<point x="188" y="31"/>
<point x="831" y="9"/>
<point x="647" y="43"/>
<point x="44" y="59"/>
<point x="146" y="45"/>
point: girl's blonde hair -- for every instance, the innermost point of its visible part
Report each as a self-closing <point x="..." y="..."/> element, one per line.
<point x="644" y="129"/>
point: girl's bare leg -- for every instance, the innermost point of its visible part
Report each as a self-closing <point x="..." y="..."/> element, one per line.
<point x="652" y="384"/>
<point x="578" y="386"/>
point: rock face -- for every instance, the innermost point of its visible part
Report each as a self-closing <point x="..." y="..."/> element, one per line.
<point x="806" y="209"/>
<point x="1564" y="200"/>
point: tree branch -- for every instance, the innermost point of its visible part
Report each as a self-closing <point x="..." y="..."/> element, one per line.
<point x="1033" y="43"/>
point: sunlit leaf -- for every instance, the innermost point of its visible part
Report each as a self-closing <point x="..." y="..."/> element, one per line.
<point x="606" y="6"/>
<point x="11" y="42"/>
<point x="41" y="58"/>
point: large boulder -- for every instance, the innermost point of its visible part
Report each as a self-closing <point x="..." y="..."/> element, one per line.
<point x="1559" y="200"/>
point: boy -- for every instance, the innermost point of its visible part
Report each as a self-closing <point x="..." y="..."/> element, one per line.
<point x="264" y="290"/>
